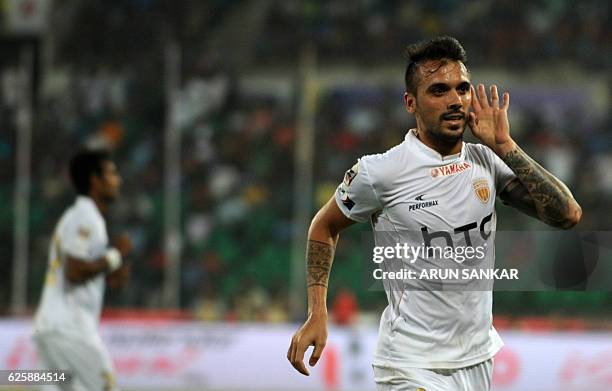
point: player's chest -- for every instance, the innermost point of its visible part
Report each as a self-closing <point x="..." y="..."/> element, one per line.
<point x="442" y="195"/>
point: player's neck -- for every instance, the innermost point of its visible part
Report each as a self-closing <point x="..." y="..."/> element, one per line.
<point x="101" y="204"/>
<point x="439" y="146"/>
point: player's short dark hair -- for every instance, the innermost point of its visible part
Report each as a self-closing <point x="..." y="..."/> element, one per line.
<point x="439" y="48"/>
<point x="85" y="163"/>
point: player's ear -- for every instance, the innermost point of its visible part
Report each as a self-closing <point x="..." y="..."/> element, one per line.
<point x="409" y="102"/>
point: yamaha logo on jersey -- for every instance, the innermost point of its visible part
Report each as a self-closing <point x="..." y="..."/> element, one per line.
<point x="482" y="189"/>
<point x="450" y="169"/>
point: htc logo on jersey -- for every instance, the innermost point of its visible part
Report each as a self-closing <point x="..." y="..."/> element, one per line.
<point x="464" y="229"/>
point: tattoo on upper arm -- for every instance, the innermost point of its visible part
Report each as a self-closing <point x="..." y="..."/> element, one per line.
<point x="549" y="196"/>
<point x="319" y="257"/>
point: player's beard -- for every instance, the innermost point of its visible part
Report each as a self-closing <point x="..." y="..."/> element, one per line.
<point x="443" y="136"/>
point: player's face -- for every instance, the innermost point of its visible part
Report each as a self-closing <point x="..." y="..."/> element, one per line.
<point x="442" y="101"/>
<point x="110" y="181"/>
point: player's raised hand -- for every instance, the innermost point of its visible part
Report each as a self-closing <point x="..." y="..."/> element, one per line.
<point x="313" y="332"/>
<point x="489" y="120"/>
<point x="118" y="278"/>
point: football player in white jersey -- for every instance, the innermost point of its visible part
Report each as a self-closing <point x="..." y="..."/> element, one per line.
<point x="438" y="186"/>
<point x="80" y="263"/>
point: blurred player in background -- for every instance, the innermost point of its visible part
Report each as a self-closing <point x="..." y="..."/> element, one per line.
<point x="80" y="260"/>
<point x="433" y="340"/>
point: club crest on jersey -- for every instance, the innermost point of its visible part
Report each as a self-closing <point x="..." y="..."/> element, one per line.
<point x="351" y="174"/>
<point x="450" y="169"/>
<point x="482" y="189"/>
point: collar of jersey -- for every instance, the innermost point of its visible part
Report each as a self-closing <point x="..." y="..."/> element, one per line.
<point x="432" y="153"/>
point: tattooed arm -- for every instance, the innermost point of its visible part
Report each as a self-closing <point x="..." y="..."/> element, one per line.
<point x="319" y="258"/>
<point x="536" y="191"/>
<point x="322" y="238"/>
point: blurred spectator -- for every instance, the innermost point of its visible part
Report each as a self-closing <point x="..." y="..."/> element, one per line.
<point x="344" y="308"/>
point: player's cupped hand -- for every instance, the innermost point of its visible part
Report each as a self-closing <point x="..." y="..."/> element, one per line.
<point x="312" y="333"/>
<point x="489" y="118"/>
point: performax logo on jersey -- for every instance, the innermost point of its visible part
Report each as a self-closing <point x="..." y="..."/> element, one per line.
<point x="450" y="169"/>
<point x="422" y="205"/>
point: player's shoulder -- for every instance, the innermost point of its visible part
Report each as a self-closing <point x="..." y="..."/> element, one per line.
<point x="80" y="215"/>
<point x="382" y="169"/>
<point x="385" y="162"/>
<point x="479" y="153"/>
<point x="82" y="208"/>
<point x="477" y="148"/>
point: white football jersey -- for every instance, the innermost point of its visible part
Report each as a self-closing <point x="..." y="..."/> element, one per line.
<point x="412" y="188"/>
<point x="64" y="306"/>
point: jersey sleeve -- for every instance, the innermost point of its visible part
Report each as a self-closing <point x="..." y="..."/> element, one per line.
<point x="356" y="196"/>
<point x="503" y="173"/>
<point x="78" y="239"/>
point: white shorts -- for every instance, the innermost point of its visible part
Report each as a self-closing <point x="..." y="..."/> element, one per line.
<point x="88" y="361"/>
<point x="474" y="378"/>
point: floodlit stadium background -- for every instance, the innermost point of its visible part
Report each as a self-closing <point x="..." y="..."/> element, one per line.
<point x="232" y="122"/>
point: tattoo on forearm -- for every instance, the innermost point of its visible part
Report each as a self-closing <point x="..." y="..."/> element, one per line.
<point x="319" y="257"/>
<point x="517" y="196"/>
<point x="550" y="196"/>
